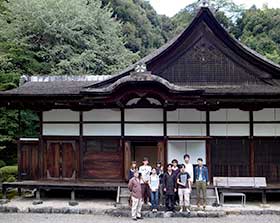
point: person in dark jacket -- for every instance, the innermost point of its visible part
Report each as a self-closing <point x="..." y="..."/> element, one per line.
<point x="169" y="188"/>
<point x="201" y="181"/>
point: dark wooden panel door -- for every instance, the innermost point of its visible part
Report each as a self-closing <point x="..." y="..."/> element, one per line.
<point x="68" y="160"/>
<point x="53" y="159"/>
<point x="60" y="160"/>
<point x="28" y="160"/>
<point x="102" y="159"/>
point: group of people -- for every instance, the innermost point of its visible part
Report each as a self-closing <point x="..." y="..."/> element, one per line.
<point x="173" y="184"/>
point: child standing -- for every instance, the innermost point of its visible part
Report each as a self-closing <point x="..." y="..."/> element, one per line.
<point x="132" y="169"/>
<point x="169" y="187"/>
<point x="184" y="188"/>
<point x="154" y="187"/>
<point x="134" y="187"/>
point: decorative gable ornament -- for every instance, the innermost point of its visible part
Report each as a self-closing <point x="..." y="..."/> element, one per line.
<point x="204" y="3"/>
<point x="140" y="68"/>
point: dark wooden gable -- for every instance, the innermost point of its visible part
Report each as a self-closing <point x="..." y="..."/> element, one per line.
<point x="205" y="54"/>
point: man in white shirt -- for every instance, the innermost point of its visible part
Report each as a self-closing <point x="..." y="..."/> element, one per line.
<point x="189" y="166"/>
<point x="145" y="171"/>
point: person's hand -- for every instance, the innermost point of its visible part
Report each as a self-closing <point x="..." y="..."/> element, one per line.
<point x="208" y="183"/>
<point x="175" y="189"/>
<point x="164" y="189"/>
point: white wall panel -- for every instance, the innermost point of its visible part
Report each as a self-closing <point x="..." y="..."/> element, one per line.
<point x="264" y="130"/>
<point x="177" y="150"/>
<point x="218" y="129"/>
<point x="173" y="116"/>
<point x="144" y="129"/>
<point x="238" y="129"/>
<point x="237" y="115"/>
<point x="102" y="115"/>
<point x="61" y="115"/>
<point x="143" y="114"/>
<point x="186" y="129"/>
<point x="186" y="115"/>
<point x="61" y="129"/>
<point x="220" y="115"/>
<point x="229" y="115"/>
<point x="102" y="129"/>
<point x="267" y="114"/>
<point x="191" y="115"/>
<point x="229" y="129"/>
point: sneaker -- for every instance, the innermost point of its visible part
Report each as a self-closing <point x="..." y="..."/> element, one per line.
<point x="155" y="210"/>
<point x="139" y="217"/>
<point x="134" y="219"/>
<point x="188" y="210"/>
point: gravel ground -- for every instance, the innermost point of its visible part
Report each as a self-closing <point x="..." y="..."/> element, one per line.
<point x="71" y="218"/>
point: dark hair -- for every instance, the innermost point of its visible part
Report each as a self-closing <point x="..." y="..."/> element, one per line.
<point x="200" y="159"/>
<point x="169" y="164"/>
<point x="174" y="161"/>
<point x="145" y="159"/>
<point x="181" y="166"/>
<point x="158" y="162"/>
<point x="186" y="155"/>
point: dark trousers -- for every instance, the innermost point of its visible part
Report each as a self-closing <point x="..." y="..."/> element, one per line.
<point x="145" y="192"/>
<point x="169" y="202"/>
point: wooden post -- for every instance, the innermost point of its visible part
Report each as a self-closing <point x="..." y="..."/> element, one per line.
<point x="252" y="159"/>
<point x="127" y="158"/>
<point x="73" y="202"/>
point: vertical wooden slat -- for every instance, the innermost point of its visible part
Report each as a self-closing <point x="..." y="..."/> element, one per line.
<point x="161" y="152"/>
<point x="252" y="159"/>
<point x="208" y="159"/>
<point x="127" y="158"/>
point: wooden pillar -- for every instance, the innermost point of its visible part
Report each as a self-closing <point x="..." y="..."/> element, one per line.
<point x="81" y="148"/>
<point x="127" y="158"/>
<point x="41" y="147"/>
<point x="208" y="146"/>
<point x="252" y="158"/>
<point x="252" y="146"/>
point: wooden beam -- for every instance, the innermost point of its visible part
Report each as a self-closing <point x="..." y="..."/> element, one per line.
<point x="252" y="158"/>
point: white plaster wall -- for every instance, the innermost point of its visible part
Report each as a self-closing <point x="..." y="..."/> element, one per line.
<point x="102" y="115"/>
<point x="144" y="129"/>
<point x="229" y="129"/>
<point x="177" y="150"/>
<point x="229" y="115"/>
<point x="143" y="114"/>
<point x="102" y="129"/>
<point x="59" y="115"/>
<point x="61" y="129"/>
<point x="186" y="129"/>
<point x="186" y="115"/>
<point x="267" y="114"/>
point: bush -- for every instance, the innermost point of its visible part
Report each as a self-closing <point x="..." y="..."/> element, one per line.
<point x="8" y="173"/>
<point x="2" y="163"/>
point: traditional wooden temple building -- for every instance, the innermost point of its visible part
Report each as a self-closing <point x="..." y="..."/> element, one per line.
<point x="203" y="93"/>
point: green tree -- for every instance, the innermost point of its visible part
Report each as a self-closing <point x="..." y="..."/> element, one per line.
<point x="226" y="12"/>
<point x="144" y="30"/>
<point x="260" y="30"/>
<point x="72" y="37"/>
